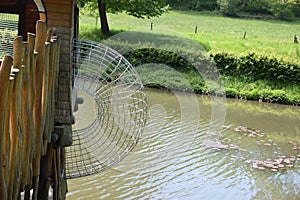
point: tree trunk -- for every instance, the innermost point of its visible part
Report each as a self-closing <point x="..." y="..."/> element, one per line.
<point x="103" y="17"/>
<point x="244" y="3"/>
<point x="297" y="8"/>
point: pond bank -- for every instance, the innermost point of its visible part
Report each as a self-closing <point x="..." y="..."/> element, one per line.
<point x="249" y="76"/>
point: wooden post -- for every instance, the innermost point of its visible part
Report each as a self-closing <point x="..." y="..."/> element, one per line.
<point x="38" y="128"/>
<point x="295" y="39"/>
<point x="4" y="93"/>
<point x="15" y="125"/>
<point x="27" y="110"/>
<point x="26" y="116"/>
<point x="7" y="129"/>
<point x="33" y="61"/>
<point x="46" y="169"/>
<point x="46" y="99"/>
<point x="27" y="106"/>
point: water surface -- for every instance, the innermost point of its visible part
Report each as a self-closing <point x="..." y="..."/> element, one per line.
<point x="191" y="150"/>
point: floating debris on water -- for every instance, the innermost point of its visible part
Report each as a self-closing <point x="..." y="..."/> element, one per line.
<point x="248" y="131"/>
<point x="276" y="162"/>
<point x="280" y="163"/>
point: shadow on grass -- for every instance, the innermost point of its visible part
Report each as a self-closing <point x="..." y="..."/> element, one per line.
<point x="94" y="33"/>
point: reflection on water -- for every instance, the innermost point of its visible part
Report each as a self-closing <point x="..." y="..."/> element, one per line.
<point x="256" y="156"/>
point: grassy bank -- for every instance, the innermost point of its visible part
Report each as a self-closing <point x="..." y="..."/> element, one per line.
<point x="265" y="38"/>
<point x="216" y="33"/>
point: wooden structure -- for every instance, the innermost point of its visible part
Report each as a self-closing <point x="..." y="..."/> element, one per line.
<point x="35" y="99"/>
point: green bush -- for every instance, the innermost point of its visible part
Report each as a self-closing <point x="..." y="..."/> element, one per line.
<point x="259" y="67"/>
<point x="231" y="92"/>
<point x="229" y="8"/>
<point x="193" y="4"/>
<point x="151" y="55"/>
<point x="283" y="11"/>
<point x="248" y="76"/>
<point x="179" y="63"/>
<point x="274" y="96"/>
<point x="257" y="7"/>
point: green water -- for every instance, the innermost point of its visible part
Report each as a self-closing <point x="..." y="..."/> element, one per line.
<point x="198" y="147"/>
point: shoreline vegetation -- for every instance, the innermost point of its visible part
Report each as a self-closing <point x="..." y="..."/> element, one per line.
<point x="257" y="59"/>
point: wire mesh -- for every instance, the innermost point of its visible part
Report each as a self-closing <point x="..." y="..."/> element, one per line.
<point x="8" y="32"/>
<point x="117" y="115"/>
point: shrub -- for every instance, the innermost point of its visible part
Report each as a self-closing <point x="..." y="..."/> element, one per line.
<point x="193" y="4"/>
<point x="258" y="67"/>
<point x="274" y="96"/>
<point x="229" y="7"/>
<point x="231" y="92"/>
<point x="257" y="7"/>
<point x="247" y="76"/>
<point x="283" y="11"/>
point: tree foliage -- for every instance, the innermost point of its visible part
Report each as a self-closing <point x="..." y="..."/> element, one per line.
<point x="229" y="7"/>
<point x="195" y="5"/>
<point x="90" y="9"/>
<point x="136" y="8"/>
<point x="278" y="9"/>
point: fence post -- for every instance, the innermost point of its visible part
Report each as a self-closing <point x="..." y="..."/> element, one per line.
<point x="4" y="93"/>
<point x="38" y="135"/>
<point x="15" y="123"/>
<point x="27" y="103"/>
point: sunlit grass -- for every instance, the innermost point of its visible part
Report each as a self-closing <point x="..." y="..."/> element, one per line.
<point x="217" y="34"/>
<point x="268" y="37"/>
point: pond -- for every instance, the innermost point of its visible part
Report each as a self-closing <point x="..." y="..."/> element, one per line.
<point x="201" y="147"/>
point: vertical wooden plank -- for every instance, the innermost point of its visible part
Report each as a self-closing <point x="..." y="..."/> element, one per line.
<point x="4" y="92"/>
<point x="26" y="116"/>
<point x="40" y="65"/>
<point x="7" y="131"/>
<point x="33" y="61"/>
<point x="15" y="126"/>
<point x="4" y="77"/>
<point x="46" y="169"/>
<point x="45" y="95"/>
<point x="49" y="77"/>
<point x="27" y="106"/>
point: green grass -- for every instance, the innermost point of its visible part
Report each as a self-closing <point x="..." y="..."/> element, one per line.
<point x="217" y="34"/>
<point x="268" y="37"/>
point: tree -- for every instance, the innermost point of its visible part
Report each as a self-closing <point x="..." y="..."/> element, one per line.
<point x="297" y="8"/>
<point x="244" y="3"/>
<point x="229" y="7"/>
<point x="91" y="9"/>
<point x="136" y="8"/>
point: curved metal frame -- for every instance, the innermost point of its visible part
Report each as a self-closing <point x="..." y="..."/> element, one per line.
<point x="117" y="90"/>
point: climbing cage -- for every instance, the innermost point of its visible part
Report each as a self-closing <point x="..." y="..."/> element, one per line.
<point x="109" y="107"/>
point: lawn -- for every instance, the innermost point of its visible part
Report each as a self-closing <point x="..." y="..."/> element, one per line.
<point x="216" y="33"/>
<point x="268" y="78"/>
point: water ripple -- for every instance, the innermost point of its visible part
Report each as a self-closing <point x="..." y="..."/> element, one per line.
<point x="178" y="159"/>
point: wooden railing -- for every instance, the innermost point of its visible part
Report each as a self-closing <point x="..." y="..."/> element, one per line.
<point x="27" y="103"/>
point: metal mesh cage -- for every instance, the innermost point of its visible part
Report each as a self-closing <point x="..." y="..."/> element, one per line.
<point x="112" y="115"/>
<point x="8" y="32"/>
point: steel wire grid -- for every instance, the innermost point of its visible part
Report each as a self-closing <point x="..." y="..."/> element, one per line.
<point x="120" y="110"/>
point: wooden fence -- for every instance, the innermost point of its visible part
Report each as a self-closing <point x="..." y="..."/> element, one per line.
<point x="27" y="103"/>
